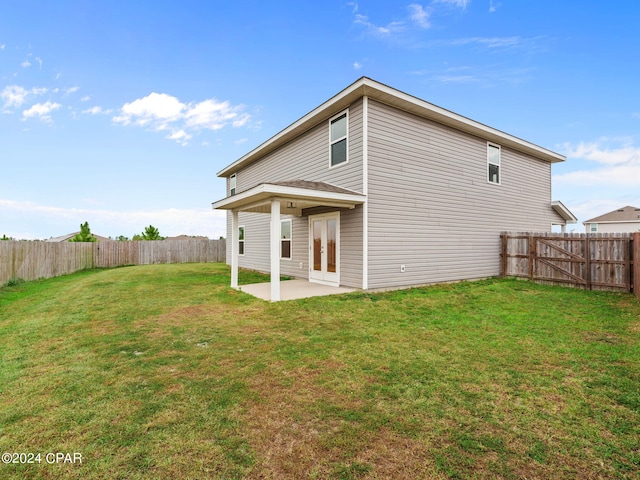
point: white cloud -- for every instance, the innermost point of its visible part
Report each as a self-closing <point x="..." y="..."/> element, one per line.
<point x="97" y="110"/>
<point x="41" y="110"/>
<point x="25" y="64"/>
<point x="419" y="15"/>
<point x="39" y="60"/>
<point x="619" y="164"/>
<point x="393" y="27"/>
<point x="155" y="107"/>
<point x="455" y="3"/>
<point x="2" y="46"/>
<point x="357" y="65"/>
<point x="493" y="6"/>
<point x="86" y="98"/>
<point x="15" y="95"/>
<point x="162" y="112"/>
<point x="354" y="5"/>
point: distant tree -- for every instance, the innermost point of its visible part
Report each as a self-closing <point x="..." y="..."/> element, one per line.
<point x="151" y="233"/>
<point x="137" y="237"/>
<point x="122" y="238"/>
<point x="84" y="235"/>
<point x="4" y="237"/>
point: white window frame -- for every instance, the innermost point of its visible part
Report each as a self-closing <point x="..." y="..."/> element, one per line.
<point x="290" y="239"/>
<point x="593" y="228"/>
<point x="489" y="163"/>
<point x="345" y="137"/>
<point x="242" y="241"/>
<point x="232" y="184"/>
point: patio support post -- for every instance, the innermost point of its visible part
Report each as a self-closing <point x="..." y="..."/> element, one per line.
<point x="235" y="247"/>
<point x="275" y="250"/>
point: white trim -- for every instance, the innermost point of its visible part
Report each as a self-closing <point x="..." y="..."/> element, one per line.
<point x="233" y="183"/>
<point x="325" y="276"/>
<point x="234" y="248"/>
<point x="290" y="258"/>
<point x="365" y="191"/>
<point x="345" y="138"/>
<point x="564" y="212"/>
<point x="499" y="164"/>
<point x="275" y="249"/>
<point x="244" y="239"/>
<point x="263" y="192"/>
<point x="390" y="96"/>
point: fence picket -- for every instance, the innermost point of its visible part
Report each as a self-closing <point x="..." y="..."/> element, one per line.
<point x="598" y="261"/>
<point x="32" y="260"/>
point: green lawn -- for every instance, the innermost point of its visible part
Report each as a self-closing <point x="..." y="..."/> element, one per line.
<point x="164" y="372"/>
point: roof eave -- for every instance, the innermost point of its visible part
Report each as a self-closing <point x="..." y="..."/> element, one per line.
<point x="388" y="95"/>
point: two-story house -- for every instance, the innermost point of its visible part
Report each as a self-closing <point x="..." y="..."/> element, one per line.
<point x="377" y="189"/>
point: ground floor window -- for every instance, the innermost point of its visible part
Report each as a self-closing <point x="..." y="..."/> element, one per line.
<point x="241" y="240"/>
<point x="285" y="239"/>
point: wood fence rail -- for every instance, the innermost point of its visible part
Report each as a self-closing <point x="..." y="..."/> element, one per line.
<point x="600" y="261"/>
<point x="33" y="260"/>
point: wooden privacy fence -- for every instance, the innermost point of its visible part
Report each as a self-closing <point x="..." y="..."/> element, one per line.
<point x="33" y="260"/>
<point x="600" y="261"/>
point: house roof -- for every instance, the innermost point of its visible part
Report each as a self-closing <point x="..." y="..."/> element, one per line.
<point x="65" y="238"/>
<point x="564" y="212"/>
<point x="390" y="96"/>
<point x="297" y="195"/>
<point x="626" y="214"/>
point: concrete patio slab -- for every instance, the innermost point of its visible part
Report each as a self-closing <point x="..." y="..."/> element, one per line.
<point x="293" y="290"/>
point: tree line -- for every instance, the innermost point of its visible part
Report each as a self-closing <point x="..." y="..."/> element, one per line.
<point x="85" y="235"/>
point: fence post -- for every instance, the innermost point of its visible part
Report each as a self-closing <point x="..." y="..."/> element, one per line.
<point x="503" y="259"/>
<point x="532" y="255"/>
<point x="587" y="257"/>
<point x="636" y="264"/>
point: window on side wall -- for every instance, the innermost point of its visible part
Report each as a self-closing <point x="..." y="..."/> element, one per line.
<point x="241" y="240"/>
<point x="594" y="228"/>
<point x="285" y="239"/>
<point x="493" y="163"/>
<point x="338" y="132"/>
<point x="232" y="184"/>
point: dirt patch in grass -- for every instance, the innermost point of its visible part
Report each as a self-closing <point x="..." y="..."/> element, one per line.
<point x="286" y="427"/>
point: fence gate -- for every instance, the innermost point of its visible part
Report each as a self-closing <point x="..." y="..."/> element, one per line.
<point x="590" y="261"/>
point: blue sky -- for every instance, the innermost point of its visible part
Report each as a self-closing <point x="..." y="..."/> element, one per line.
<point x="121" y="113"/>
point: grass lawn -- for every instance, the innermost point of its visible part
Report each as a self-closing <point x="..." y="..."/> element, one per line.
<point x="164" y="372"/>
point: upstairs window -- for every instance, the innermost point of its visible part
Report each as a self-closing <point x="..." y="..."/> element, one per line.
<point x="338" y="128"/>
<point x="232" y="184"/>
<point x="493" y="163"/>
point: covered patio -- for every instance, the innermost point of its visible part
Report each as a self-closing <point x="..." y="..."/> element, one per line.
<point x="276" y="199"/>
<point x="293" y="290"/>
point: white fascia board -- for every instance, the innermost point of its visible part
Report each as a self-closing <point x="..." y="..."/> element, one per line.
<point x="390" y="96"/>
<point x="564" y="212"/>
<point x="266" y="190"/>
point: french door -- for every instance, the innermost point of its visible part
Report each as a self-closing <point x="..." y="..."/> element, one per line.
<point x="324" y="248"/>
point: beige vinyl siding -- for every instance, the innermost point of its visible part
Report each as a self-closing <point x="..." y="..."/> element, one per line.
<point x="431" y="207"/>
<point x="305" y="158"/>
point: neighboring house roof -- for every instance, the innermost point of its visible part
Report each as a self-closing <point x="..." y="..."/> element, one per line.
<point x="627" y="214"/>
<point x="65" y="238"/>
<point x="390" y="96"/>
<point x="187" y="237"/>
<point x="564" y="212"/>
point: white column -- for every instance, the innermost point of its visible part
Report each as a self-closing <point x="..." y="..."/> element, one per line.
<point x="275" y="250"/>
<point x="235" y="248"/>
